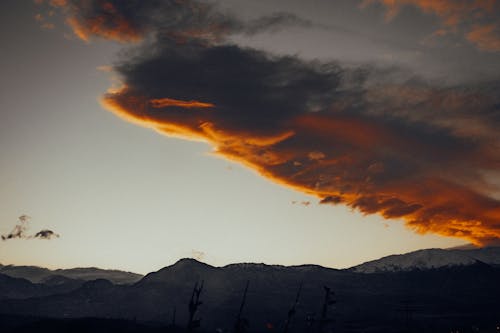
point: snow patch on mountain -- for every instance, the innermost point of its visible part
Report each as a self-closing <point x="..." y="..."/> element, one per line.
<point x="430" y="259"/>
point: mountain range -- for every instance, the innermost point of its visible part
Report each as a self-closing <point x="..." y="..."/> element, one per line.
<point x="43" y="275"/>
<point x="430" y="259"/>
<point x="429" y="290"/>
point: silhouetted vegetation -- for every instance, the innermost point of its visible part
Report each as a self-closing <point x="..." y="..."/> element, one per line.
<point x="292" y="311"/>
<point x="194" y="304"/>
<point x="241" y="325"/>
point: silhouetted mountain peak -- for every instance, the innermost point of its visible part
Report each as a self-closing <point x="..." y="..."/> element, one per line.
<point x="188" y="264"/>
<point x="189" y="261"/>
<point x="186" y="268"/>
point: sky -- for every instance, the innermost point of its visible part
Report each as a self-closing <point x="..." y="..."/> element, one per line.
<point x="136" y="133"/>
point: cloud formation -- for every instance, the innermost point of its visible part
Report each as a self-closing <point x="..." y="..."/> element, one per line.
<point x="403" y="150"/>
<point x="20" y="231"/>
<point x="377" y="140"/>
<point x="477" y="20"/>
<point x="183" y="20"/>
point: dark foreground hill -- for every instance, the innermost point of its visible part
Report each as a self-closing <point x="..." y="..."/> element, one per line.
<point x="22" y="324"/>
<point x="464" y="297"/>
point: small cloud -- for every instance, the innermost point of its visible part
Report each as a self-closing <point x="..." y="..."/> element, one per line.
<point x="44" y="23"/>
<point x="58" y="3"/>
<point x="485" y="37"/>
<point x="376" y="167"/>
<point x="198" y="255"/>
<point x="331" y="200"/>
<point x="48" y="26"/>
<point x="316" y="156"/>
<point x="20" y="231"/>
<point x="303" y="203"/>
<point x="46" y="234"/>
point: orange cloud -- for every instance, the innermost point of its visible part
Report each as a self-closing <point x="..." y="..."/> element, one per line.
<point x="58" y="3"/>
<point x="42" y="20"/>
<point x="94" y="18"/>
<point x="476" y="19"/>
<point x="344" y="172"/>
<point x="453" y="12"/>
<point x="110" y="25"/>
<point x="166" y="102"/>
<point x="485" y="37"/>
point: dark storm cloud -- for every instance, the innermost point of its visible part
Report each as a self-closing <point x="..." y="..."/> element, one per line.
<point x="21" y="228"/>
<point x="253" y="90"/>
<point x="377" y="140"/>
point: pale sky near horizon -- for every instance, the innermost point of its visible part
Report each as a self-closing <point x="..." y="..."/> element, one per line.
<point x="125" y="197"/>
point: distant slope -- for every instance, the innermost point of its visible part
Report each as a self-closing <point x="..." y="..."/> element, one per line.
<point x="92" y="273"/>
<point x="430" y="259"/>
<point x="39" y="274"/>
<point x="32" y="273"/>
<point x="18" y="288"/>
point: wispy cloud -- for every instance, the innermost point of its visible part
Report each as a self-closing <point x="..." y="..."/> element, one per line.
<point x="476" y="20"/>
<point x="21" y="228"/>
<point x="19" y="231"/>
<point x="198" y="255"/>
<point x="486" y="37"/>
<point x="135" y="20"/>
